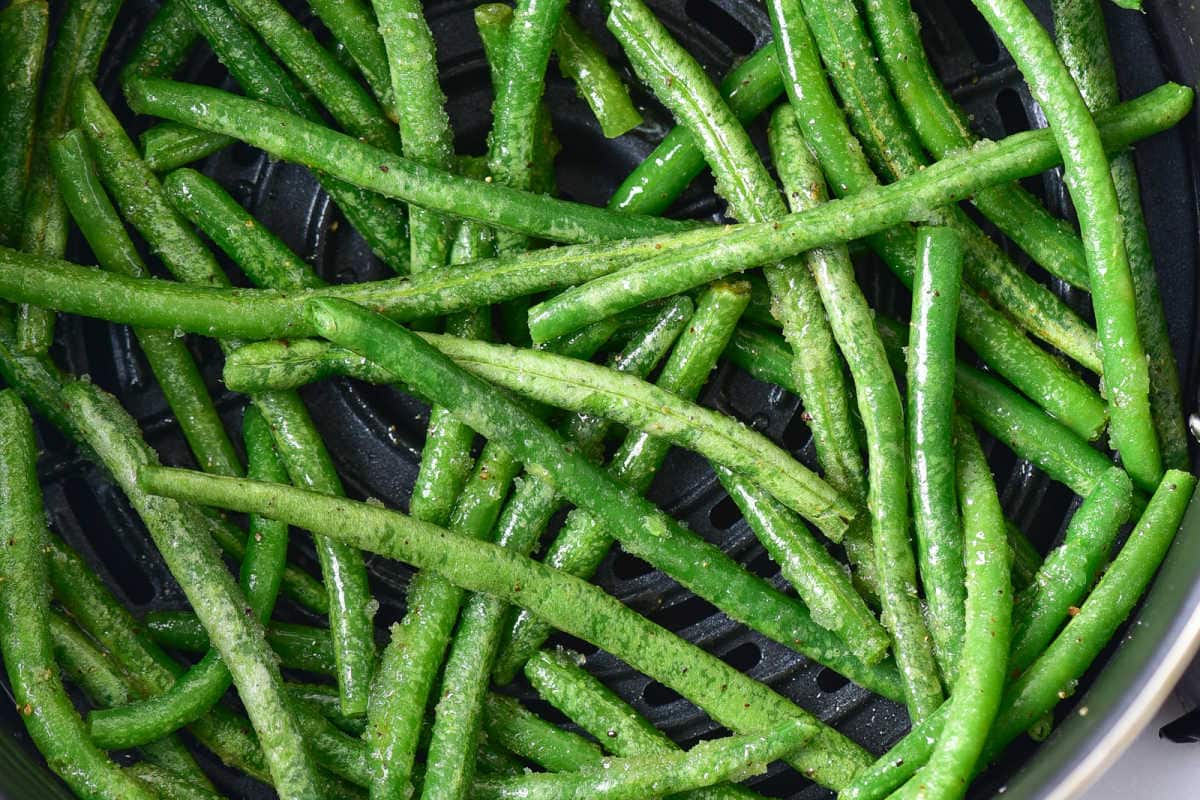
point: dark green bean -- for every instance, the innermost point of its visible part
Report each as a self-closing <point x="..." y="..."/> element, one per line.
<point x="165" y="43"/>
<point x="353" y="26"/>
<point x="1126" y="375"/>
<point x="294" y="644"/>
<point x="169" y="145"/>
<point x="388" y="174"/>
<point x="1083" y="42"/>
<point x="1071" y="569"/>
<point x="939" y="532"/>
<point x="23" y="29"/>
<point x="42" y="703"/>
<point x="581" y="60"/>
<point x="168" y="785"/>
<point x="728" y="695"/>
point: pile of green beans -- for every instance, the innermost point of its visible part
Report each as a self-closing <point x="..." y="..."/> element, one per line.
<point x="564" y="349"/>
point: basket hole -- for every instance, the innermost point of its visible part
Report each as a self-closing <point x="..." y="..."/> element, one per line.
<point x="978" y="33"/>
<point x="797" y="434"/>
<point x="725" y="514"/>
<point x="569" y="642"/>
<point x="830" y="681"/>
<point x="657" y="695"/>
<point x="682" y="615"/>
<point x="781" y="784"/>
<point x="108" y="535"/>
<point x="1012" y="111"/>
<point x="763" y="566"/>
<point x="744" y="657"/>
<point x="244" y="155"/>
<point x="722" y="24"/>
<point x="628" y="568"/>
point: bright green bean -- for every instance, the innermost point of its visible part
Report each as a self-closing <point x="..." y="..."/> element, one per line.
<point x="1126" y="375"/>
<point x="169" y="145"/>
<point x="930" y="372"/>
<point x="943" y="128"/>
<point x="1071" y="569"/>
<point x="729" y="758"/>
<point x="353" y="25"/>
<point x="167" y="785"/>
<point x="729" y="696"/>
<point x="1083" y="42"/>
<point x="42" y="704"/>
<point x="531" y="737"/>
<point x="23" y="29"/>
<point x="581" y="60"/>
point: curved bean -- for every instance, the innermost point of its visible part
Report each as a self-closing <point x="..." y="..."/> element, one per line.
<point x="581" y="60"/>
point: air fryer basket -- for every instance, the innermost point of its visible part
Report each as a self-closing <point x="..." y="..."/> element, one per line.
<point x="375" y="434"/>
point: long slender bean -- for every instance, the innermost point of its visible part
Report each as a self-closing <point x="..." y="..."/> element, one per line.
<point x="79" y="40"/>
<point x="942" y="127"/>
<point x="263" y="315"/>
<point x="730" y="758"/>
<point x="294" y="644"/>
<point x="562" y="682"/>
<point x="583" y="540"/>
<point x="170" y="145"/>
<point x="728" y="695"/>
<point x="1071" y="569"/>
<point x="167" y="785"/>
<point x="1050" y="679"/>
<point x="354" y="26"/>
<point x="383" y="172"/>
<point x="939" y="532"/>
<point x="531" y="737"/>
<point x="165" y="43"/>
<point x="981" y="669"/>
<point x="581" y="60"/>
<point x="24" y="26"/>
<point x="882" y="414"/>
<point x="38" y="693"/>
<point x="1089" y="180"/>
<point x="1083" y="42"/>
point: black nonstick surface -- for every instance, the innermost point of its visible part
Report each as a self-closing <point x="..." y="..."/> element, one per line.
<point x="375" y="434"/>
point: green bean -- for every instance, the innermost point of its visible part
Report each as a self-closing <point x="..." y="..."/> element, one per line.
<point x="680" y="83"/>
<point x="168" y="356"/>
<point x="531" y="737"/>
<point x="23" y="29"/>
<point x="204" y="684"/>
<point x="730" y="758"/>
<point x="353" y="25"/>
<point x="1126" y="375"/>
<point x="167" y="785"/>
<point x="346" y="100"/>
<point x="1071" y="569"/>
<point x="939" y="532"/>
<point x="882" y="413"/>
<point x="450" y="757"/>
<point x="196" y="564"/>
<point x="1026" y="560"/>
<point x="888" y="140"/>
<point x="583" y="541"/>
<point x="294" y="644"/>
<point x="324" y="698"/>
<point x="165" y="43"/>
<point x="1083" y="43"/>
<point x="943" y="128"/>
<point x="560" y="679"/>
<point x="169" y="145"/>
<point x="265" y="259"/>
<point x="385" y="173"/>
<point x="1050" y="679"/>
<point x="981" y="669"/>
<point x="380" y="221"/>
<point x="582" y="61"/>
<point x="42" y="703"/>
<point x="79" y="40"/>
<point x="663" y="175"/>
<point x="308" y="462"/>
<point x="345" y="756"/>
<point x="729" y="696"/>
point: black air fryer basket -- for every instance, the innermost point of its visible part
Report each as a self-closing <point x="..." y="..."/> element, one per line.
<point x="375" y="434"/>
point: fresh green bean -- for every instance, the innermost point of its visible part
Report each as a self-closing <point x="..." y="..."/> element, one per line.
<point x="196" y="563"/>
<point x="165" y="43"/>
<point x="1126" y="375"/>
<point x="583" y="540"/>
<point x="1071" y="569"/>
<point x="41" y="701"/>
<point x="204" y="684"/>
<point x="943" y="128"/>
<point x="729" y="758"/>
<point x="581" y="60"/>
<point x="939" y="532"/>
<point x="168" y="356"/>
<point x="78" y="42"/>
<point x="681" y="84"/>
<point x="980" y="677"/>
<point x="450" y="758"/>
<point x="561" y="680"/>
<point x="882" y="413"/>
<point x="167" y="785"/>
<point x="729" y="696"/>
<point x="532" y="738"/>
<point x="324" y="698"/>
<point x="353" y="25"/>
<point x="424" y="126"/>
<point x="169" y="145"/>
<point x="1083" y="42"/>
<point x="380" y="221"/>
<point x="381" y="171"/>
<point x="23" y="29"/>
<point x="663" y="175"/>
